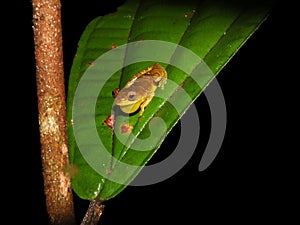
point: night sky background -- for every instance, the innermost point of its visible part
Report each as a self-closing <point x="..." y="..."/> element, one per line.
<point x="244" y="182"/>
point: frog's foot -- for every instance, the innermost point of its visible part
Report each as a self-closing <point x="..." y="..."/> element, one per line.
<point x="144" y="104"/>
<point x="160" y="76"/>
<point x="162" y="82"/>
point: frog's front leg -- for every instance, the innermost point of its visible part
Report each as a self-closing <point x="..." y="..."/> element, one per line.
<point x="145" y="103"/>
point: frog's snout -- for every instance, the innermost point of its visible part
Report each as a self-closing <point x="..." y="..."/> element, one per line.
<point x="118" y="100"/>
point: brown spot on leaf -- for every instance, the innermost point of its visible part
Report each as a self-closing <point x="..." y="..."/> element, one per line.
<point x="179" y="87"/>
<point x="140" y="42"/>
<point x="115" y="92"/>
<point x="109" y="121"/>
<point x="126" y="128"/>
<point x="91" y="63"/>
<point x="113" y="46"/>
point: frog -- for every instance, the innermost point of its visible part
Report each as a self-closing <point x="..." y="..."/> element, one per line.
<point x="140" y="89"/>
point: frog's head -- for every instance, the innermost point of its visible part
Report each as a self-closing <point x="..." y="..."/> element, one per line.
<point x="129" y="100"/>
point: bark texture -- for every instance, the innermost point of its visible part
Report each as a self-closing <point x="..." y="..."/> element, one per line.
<point x="52" y="110"/>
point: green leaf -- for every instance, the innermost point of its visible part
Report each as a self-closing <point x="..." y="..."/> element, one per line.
<point x="212" y="30"/>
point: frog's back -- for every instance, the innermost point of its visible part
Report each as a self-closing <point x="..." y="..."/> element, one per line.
<point x="144" y="84"/>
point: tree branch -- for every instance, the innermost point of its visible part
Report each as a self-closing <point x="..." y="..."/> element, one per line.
<point x="52" y="110"/>
<point x="93" y="213"/>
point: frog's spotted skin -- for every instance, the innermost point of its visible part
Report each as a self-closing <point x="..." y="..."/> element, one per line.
<point x="139" y="90"/>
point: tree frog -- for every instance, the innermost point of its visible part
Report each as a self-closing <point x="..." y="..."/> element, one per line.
<point x="139" y="90"/>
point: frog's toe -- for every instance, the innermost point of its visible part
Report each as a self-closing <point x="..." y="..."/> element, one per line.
<point x="162" y="83"/>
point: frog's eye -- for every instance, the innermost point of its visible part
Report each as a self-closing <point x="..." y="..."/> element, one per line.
<point x="131" y="95"/>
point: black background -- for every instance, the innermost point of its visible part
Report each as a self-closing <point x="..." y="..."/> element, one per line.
<point x="249" y="180"/>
